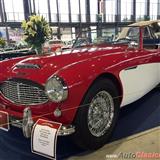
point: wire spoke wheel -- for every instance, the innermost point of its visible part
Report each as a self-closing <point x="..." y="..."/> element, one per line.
<point x="96" y="121"/>
<point x="100" y="113"/>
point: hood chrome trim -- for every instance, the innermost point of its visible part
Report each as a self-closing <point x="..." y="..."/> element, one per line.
<point x="27" y="66"/>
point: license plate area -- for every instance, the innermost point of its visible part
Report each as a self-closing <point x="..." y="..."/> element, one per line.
<point x="4" y="121"/>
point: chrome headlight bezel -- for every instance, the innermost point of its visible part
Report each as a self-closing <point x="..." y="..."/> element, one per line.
<point x="63" y="91"/>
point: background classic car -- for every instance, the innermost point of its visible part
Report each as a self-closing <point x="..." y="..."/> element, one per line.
<point x="53" y="45"/>
<point x="82" y="88"/>
<point x="16" y="53"/>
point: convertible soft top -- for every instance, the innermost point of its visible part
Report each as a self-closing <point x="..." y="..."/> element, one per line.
<point x="145" y="23"/>
<point x="138" y="24"/>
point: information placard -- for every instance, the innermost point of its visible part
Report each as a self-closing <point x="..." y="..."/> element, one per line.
<point x="4" y="121"/>
<point x="44" y="138"/>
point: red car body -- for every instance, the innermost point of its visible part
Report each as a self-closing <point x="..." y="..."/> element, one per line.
<point x="134" y="70"/>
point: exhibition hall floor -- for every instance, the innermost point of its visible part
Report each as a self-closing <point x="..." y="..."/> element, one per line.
<point x="137" y="126"/>
<point x="143" y="142"/>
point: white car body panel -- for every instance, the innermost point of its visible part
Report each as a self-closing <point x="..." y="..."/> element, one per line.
<point x="139" y="81"/>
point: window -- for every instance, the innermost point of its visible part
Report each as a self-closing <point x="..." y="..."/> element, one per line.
<point x="149" y="38"/>
<point x="129" y="34"/>
<point x="126" y="10"/>
<point x="146" y="33"/>
<point x="93" y="10"/>
<point x="133" y="33"/>
<point x="110" y="10"/>
<point x="75" y="10"/>
<point x="53" y="7"/>
<point x="41" y="7"/>
<point x="140" y="9"/>
<point x="83" y="10"/>
<point x="153" y="9"/>
<point x="32" y="6"/>
<point x="13" y="10"/>
<point x="63" y="10"/>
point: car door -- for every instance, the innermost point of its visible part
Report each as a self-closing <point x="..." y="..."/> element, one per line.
<point x="156" y="59"/>
<point x="141" y="74"/>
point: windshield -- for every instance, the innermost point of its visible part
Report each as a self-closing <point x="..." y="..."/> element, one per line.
<point x="128" y="34"/>
<point x="93" y="37"/>
<point x="103" y="36"/>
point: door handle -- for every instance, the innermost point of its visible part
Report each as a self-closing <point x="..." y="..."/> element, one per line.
<point x="129" y="68"/>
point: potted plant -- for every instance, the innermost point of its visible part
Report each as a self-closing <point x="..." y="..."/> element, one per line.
<point x="2" y="43"/>
<point x="36" y="31"/>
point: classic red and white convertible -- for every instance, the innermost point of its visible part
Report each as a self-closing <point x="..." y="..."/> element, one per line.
<point x="84" y="87"/>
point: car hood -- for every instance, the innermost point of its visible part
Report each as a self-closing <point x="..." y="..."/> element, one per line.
<point x="40" y="68"/>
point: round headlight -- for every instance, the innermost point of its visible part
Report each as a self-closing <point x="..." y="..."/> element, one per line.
<point x="56" y="89"/>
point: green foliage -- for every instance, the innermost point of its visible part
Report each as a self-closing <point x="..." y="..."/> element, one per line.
<point x="146" y="18"/>
<point x="2" y="42"/>
<point x="36" y="31"/>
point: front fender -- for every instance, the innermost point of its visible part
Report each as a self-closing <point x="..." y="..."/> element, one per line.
<point x="79" y="78"/>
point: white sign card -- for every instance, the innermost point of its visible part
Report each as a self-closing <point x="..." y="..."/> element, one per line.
<point x="44" y="138"/>
<point x="4" y="121"/>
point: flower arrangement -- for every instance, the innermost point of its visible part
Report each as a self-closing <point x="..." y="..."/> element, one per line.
<point x="36" y="31"/>
<point x="2" y="42"/>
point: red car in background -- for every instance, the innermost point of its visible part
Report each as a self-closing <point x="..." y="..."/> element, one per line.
<point x="53" y="45"/>
<point x="82" y="88"/>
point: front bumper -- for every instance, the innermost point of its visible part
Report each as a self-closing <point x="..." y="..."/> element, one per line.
<point x="26" y="124"/>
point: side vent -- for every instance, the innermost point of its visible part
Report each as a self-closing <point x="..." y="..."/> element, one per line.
<point x="28" y="66"/>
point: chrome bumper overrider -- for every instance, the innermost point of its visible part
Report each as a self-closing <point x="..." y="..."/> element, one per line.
<point x="27" y="123"/>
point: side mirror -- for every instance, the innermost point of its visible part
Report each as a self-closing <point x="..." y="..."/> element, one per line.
<point x="132" y="44"/>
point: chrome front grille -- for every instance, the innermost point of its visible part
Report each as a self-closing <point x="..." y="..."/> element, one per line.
<point x="23" y="92"/>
